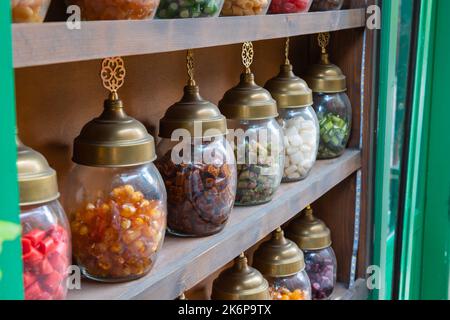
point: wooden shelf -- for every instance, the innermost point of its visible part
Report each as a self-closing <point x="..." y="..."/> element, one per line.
<point x="53" y="42"/>
<point x="185" y="262"/>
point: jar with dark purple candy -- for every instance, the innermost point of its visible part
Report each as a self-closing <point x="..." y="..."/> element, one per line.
<point x="321" y="269"/>
<point x="314" y="238"/>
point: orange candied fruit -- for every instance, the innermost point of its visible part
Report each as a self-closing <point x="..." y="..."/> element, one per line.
<point x="28" y="10"/>
<point x="285" y="294"/>
<point x="116" y="9"/>
<point x="117" y="237"/>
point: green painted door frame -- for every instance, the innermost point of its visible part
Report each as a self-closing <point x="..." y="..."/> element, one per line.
<point x="11" y="286"/>
<point x="425" y="264"/>
<point x="423" y="252"/>
<point x="383" y="240"/>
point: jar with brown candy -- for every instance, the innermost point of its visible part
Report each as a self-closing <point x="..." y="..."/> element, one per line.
<point x="116" y="198"/>
<point x="326" y="5"/>
<point x="116" y="9"/>
<point x="46" y="249"/>
<point x="29" y="10"/>
<point x="197" y="164"/>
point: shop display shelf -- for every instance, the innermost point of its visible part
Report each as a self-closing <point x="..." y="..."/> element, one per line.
<point x="185" y="262"/>
<point x="54" y="42"/>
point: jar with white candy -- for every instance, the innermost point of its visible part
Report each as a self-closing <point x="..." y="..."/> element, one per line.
<point x="301" y="141"/>
<point x="298" y="120"/>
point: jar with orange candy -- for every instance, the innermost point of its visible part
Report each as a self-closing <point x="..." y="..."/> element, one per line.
<point x="116" y="198"/>
<point x="116" y="9"/>
<point x="29" y="10"/>
<point x="282" y="263"/>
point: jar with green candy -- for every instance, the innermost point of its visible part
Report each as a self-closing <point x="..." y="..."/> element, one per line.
<point x="174" y="9"/>
<point x="331" y="103"/>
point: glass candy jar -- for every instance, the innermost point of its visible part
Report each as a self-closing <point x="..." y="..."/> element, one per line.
<point x="282" y="263"/>
<point x="298" y="120"/>
<point x="46" y="250"/>
<point x="289" y="6"/>
<point x="197" y="164"/>
<point x="174" y="9"/>
<point x="257" y="138"/>
<point x="116" y="198"/>
<point x="240" y="282"/>
<point x="29" y="10"/>
<point x="314" y="238"/>
<point x="245" y="7"/>
<point x="116" y="9"/>
<point x="326" y="5"/>
<point x="331" y="104"/>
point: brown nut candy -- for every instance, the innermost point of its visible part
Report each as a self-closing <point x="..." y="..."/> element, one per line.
<point x="29" y="10"/>
<point x="200" y="196"/>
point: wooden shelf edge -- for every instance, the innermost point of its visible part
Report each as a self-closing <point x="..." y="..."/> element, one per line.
<point x="185" y="262"/>
<point x="53" y="42"/>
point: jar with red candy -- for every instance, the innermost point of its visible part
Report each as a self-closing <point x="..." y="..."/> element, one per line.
<point x="289" y="6"/>
<point x="46" y="249"/>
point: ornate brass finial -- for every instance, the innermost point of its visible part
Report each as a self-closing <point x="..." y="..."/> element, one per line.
<point x="113" y="75"/>
<point x="190" y="66"/>
<point x="247" y="55"/>
<point x="286" y="52"/>
<point x="324" y="40"/>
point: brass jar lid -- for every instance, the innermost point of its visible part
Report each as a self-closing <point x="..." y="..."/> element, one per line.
<point x="287" y="89"/>
<point x="240" y="282"/>
<point x="247" y="100"/>
<point x="192" y="113"/>
<point x="278" y="257"/>
<point x="324" y="76"/>
<point x="308" y="232"/>
<point x="37" y="180"/>
<point x="113" y="139"/>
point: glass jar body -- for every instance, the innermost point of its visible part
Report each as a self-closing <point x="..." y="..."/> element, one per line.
<point x="46" y="251"/>
<point x="321" y="266"/>
<point x="116" y="10"/>
<point x="289" y="6"/>
<point x="200" y="178"/>
<point x="174" y="9"/>
<point x="245" y="7"/>
<point x="326" y="5"/>
<point x="259" y="154"/>
<point x="334" y="112"/>
<point x="301" y="141"/>
<point x="294" y="287"/>
<point x="29" y="10"/>
<point x="118" y="220"/>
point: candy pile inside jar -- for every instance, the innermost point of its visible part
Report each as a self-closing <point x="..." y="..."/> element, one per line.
<point x="29" y="10"/>
<point x="258" y="182"/>
<point x="200" y="196"/>
<point x="289" y="6"/>
<point x="320" y="269"/>
<point x="334" y="133"/>
<point x="244" y="7"/>
<point x="116" y="9"/>
<point x="300" y="142"/>
<point x="326" y="5"/>
<point x="169" y="9"/>
<point x="45" y="255"/>
<point x="286" y="294"/>
<point x="116" y="237"/>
